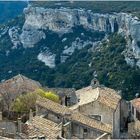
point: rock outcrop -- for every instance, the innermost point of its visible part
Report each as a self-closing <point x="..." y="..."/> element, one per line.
<point x="14" y="36"/>
<point x="48" y="58"/>
<point x="38" y="19"/>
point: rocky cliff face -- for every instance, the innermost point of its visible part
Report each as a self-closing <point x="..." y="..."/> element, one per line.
<point x="38" y="20"/>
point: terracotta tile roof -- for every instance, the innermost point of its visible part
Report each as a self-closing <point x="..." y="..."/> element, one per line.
<point x="109" y="97"/>
<point x="104" y="95"/>
<point x="18" y="84"/>
<point x="136" y="103"/>
<point x="15" y="86"/>
<point x="73" y="115"/>
<point x="43" y="127"/>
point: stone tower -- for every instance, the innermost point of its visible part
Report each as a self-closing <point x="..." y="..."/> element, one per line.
<point x="95" y="83"/>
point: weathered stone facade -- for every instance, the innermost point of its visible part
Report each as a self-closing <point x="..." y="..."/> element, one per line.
<point x="103" y="104"/>
<point x="74" y="124"/>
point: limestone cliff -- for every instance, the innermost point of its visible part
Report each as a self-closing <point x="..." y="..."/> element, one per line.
<point x="38" y="20"/>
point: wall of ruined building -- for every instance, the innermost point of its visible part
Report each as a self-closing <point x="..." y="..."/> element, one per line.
<point x="134" y="130"/>
<point x="40" y="110"/>
<point x="78" y="131"/>
<point x="124" y="114"/>
<point x="53" y="117"/>
<point x="116" y="122"/>
<point x="96" y="108"/>
<point x="49" y="115"/>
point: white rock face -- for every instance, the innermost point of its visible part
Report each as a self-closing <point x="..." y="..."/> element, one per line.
<point x="77" y="44"/>
<point x="62" y="20"/>
<point x="48" y="58"/>
<point x="3" y="31"/>
<point x="30" y="36"/>
<point x="64" y="39"/>
<point x="14" y="35"/>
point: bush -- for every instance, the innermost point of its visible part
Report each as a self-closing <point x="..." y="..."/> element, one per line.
<point x="24" y="103"/>
<point x="49" y="95"/>
<point x="52" y="96"/>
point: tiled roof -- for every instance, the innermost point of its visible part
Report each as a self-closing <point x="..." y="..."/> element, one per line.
<point x="5" y="138"/>
<point x="104" y="95"/>
<point x="109" y="97"/>
<point x="15" y="86"/>
<point x="73" y="115"/>
<point x="18" y="84"/>
<point x="43" y="127"/>
<point x="136" y="103"/>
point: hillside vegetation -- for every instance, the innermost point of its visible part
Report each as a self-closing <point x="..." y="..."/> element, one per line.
<point x="106" y="60"/>
<point x="96" y="6"/>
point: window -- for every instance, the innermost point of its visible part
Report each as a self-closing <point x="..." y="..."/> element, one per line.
<point x="95" y="82"/>
<point x="85" y="130"/>
<point x="85" y="133"/>
<point x="67" y="100"/>
<point x="78" y="100"/>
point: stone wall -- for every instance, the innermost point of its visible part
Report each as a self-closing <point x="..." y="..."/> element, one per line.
<point x="124" y="114"/>
<point x="83" y="132"/>
<point x="96" y="108"/>
<point x="134" y="130"/>
<point x="116" y="122"/>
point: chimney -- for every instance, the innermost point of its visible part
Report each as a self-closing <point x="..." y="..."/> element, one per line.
<point x="36" y="110"/>
<point x="0" y="116"/>
<point x="3" y="131"/>
<point x="30" y="115"/>
<point x="19" y="127"/>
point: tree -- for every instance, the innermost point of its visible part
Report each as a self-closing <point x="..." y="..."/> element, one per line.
<point x="24" y="103"/>
<point x="49" y="95"/>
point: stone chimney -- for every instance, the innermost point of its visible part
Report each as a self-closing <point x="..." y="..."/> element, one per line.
<point x="3" y="131"/>
<point x="0" y="116"/>
<point x="30" y="115"/>
<point x="36" y="110"/>
<point x="19" y="127"/>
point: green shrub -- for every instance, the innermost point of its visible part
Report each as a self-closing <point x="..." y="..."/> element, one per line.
<point x="24" y="103"/>
<point x="49" y="95"/>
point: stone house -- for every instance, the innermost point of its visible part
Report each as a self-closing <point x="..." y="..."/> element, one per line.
<point x="7" y="128"/>
<point x="14" y="87"/>
<point x="42" y="128"/>
<point x="103" y="104"/>
<point x="135" y="109"/>
<point x="67" y="95"/>
<point x="134" y="124"/>
<point x="74" y="124"/>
